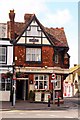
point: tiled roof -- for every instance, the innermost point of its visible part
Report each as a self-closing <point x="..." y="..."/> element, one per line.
<point x="19" y="27"/>
<point x="77" y="67"/>
<point x="56" y="35"/>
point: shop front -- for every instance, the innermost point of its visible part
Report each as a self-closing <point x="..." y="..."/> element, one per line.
<point x="38" y="84"/>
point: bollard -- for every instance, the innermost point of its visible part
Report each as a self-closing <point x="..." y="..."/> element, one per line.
<point x="58" y="102"/>
<point x="48" y="100"/>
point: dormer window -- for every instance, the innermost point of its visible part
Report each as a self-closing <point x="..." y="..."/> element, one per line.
<point x="66" y="58"/>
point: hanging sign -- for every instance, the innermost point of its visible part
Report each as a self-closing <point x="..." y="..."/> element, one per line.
<point x="53" y="76"/>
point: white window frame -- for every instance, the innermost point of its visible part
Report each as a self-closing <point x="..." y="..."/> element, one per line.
<point x="3" y="54"/>
<point x="33" y="54"/>
<point x="57" y="83"/>
<point x="5" y="82"/>
<point x="45" y="87"/>
<point x="56" y="58"/>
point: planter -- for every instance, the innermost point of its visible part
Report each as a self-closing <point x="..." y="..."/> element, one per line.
<point x="46" y="94"/>
<point x="31" y="96"/>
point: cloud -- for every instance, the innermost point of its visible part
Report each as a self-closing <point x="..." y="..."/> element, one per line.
<point x="21" y="7"/>
<point x="59" y="18"/>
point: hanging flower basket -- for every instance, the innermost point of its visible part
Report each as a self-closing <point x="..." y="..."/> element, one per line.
<point x="20" y="75"/>
<point x="9" y="74"/>
<point x="6" y="75"/>
<point x="3" y="75"/>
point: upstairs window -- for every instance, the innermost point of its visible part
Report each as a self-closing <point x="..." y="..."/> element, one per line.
<point x="33" y="54"/>
<point x="3" y="54"/>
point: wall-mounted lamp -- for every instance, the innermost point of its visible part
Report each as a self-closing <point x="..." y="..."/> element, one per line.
<point x="46" y="67"/>
<point x="31" y="82"/>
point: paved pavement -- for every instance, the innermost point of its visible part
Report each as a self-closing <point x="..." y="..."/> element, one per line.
<point x="69" y="103"/>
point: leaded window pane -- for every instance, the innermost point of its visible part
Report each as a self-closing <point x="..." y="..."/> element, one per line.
<point x="8" y="86"/>
<point x="5" y="84"/>
<point x="36" y="77"/>
<point x="40" y="77"/>
<point x="41" y="81"/>
<point x="34" y="54"/>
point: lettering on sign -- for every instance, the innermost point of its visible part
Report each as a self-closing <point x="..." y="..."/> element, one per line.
<point x="33" y="40"/>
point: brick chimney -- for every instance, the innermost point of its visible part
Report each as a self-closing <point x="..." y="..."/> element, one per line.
<point x="27" y="17"/>
<point x="12" y="31"/>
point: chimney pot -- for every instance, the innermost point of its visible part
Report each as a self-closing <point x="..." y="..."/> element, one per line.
<point x="12" y="24"/>
<point x="12" y="15"/>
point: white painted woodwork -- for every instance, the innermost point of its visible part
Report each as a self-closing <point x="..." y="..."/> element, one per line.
<point x="4" y="42"/>
<point x="21" y="40"/>
<point x="9" y="55"/>
<point x="4" y="95"/>
<point x="33" y="32"/>
<point x="23" y="34"/>
<point x="33" y="23"/>
<point x="45" y="41"/>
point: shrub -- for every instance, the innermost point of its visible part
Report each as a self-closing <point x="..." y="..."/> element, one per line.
<point x="31" y="95"/>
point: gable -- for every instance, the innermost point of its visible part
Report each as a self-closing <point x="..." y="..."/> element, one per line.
<point x="33" y="34"/>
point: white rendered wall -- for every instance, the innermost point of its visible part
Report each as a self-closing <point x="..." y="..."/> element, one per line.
<point x="9" y="55"/>
<point x="4" y="95"/>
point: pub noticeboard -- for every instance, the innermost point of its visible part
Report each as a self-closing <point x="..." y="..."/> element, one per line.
<point x="46" y="97"/>
<point x="37" y="96"/>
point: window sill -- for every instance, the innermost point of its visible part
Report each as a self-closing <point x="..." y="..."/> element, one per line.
<point x="33" y="62"/>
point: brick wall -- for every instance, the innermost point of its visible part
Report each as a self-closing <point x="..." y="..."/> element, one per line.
<point x="47" y="57"/>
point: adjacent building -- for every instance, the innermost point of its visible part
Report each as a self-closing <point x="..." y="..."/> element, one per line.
<point x="6" y="59"/>
<point x="72" y="82"/>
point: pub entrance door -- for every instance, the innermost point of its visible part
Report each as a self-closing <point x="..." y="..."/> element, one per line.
<point x="22" y="89"/>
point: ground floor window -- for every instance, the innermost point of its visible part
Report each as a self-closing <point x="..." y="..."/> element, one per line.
<point x="57" y="84"/>
<point x="5" y="84"/>
<point x="41" y="82"/>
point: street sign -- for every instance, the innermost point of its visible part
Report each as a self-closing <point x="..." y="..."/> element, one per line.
<point x="53" y="76"/>
<point x="53" y="81"/>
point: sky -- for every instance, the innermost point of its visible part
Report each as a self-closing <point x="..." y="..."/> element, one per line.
<point x="51" y="13"/>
